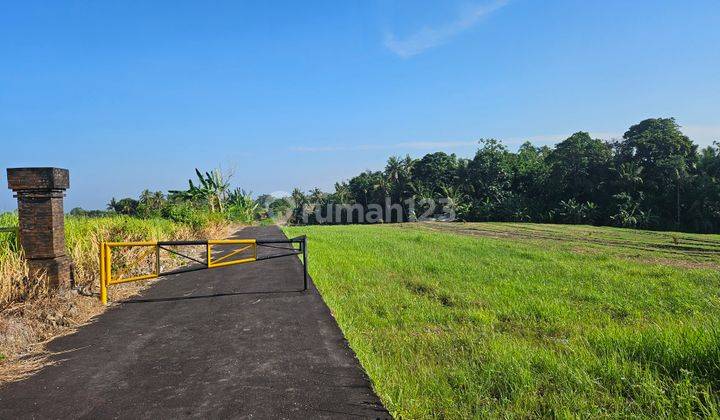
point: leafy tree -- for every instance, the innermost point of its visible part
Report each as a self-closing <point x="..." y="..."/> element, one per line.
<point x="530" y="170"/>
<point x="488" y="178"/>
<point x="653" y="177"/>
<point x="126" y="206"/>
<point x="78" y="211"/>
<point x="264" y="200"/>
<point x="279" y="208"/>
<point x="579" y="167"/>
<point x="703" y="197"/>
<point x="434" y="171"/>
<point x="151" y="204"/>
<point x="667" y="157"/>
<point x="365" y="188"/>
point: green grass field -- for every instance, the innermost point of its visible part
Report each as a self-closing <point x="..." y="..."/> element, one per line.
<point x="522" y="320"/>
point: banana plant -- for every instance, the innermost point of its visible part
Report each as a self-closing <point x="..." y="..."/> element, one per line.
<point x="241" y="206"/>
<point x="212" y="187"/>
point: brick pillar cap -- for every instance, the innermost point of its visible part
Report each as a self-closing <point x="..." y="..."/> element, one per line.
<point x="20" y="179"/>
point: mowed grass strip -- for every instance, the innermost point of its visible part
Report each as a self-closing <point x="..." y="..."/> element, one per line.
<point x="457" y="326"/>
<point x="670" y="248"/>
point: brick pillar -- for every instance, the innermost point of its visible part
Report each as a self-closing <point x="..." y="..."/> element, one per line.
<point x="40" y="192"/>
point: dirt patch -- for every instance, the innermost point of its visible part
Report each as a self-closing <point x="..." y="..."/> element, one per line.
<point x="678" y="263"/>
<point x="430" y="292"/>
<point x="584" y="251"/>
<point x="683" y="253"/>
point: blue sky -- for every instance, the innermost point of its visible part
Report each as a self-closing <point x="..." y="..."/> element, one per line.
<point x="134" y="95"/>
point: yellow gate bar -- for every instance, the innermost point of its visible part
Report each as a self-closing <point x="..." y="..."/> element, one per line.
<point x="129" y="279"/>
<point x="103" y="278"/>
<point x="106" y="277"/>
<point x="231" y="241"/>
<point x="237" y="251"/>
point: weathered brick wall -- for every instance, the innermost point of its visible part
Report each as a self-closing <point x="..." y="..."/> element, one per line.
<point x="42" y="226"/>
<point x="41" y="179"/>
<point x="40" y="193"/>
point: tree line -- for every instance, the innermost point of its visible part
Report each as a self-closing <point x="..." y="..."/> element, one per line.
<point x="209" y="197"/>
<point x="653" y="178"/>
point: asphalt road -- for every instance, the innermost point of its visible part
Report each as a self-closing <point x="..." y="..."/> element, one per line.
<point x="233" y="342"/>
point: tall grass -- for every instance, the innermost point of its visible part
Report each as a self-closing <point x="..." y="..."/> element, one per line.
<point x="13" y="270"/>
<point x="456" y="326"/>
<point x="83" y="236"/>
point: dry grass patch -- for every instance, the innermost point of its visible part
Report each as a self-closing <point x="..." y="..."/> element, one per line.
<point x="31" y="315"/>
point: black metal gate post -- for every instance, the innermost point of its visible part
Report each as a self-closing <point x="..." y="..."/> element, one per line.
<point x="305" y="268"/>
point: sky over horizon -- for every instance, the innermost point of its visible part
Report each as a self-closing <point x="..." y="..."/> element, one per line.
<point x="135" y="95"/>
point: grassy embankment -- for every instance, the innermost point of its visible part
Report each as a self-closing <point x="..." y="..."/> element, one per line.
<point x="30" y="314"/>
<point x="495" y="319"/>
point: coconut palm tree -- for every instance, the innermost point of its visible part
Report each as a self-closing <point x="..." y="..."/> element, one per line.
<point x="316" y="196"/>
<point x="393" y="170"/>
<point x="630" y="175"/>
<point x="342" y="193"/>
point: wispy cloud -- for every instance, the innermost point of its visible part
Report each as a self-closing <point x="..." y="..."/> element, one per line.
<point x="412" y="145"/>
<point x="430" y="37"/>
<point x="353" y="148"/>
<point x="550" y="139"/>
<point x="538" y="140"/>
<point x="703" y="135"/>
<point x="423" y="145"/>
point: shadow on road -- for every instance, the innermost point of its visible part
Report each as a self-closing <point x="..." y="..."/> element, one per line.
<point x="215" y="295"/>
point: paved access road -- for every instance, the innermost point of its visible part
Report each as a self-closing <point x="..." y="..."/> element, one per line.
<point x="233" y="342"/>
